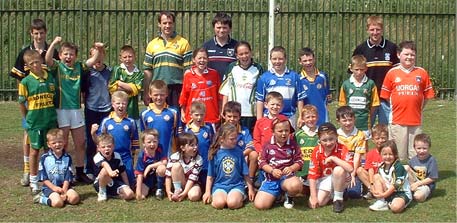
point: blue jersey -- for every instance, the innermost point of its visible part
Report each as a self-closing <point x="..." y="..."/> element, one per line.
<point x="95" y="87"/>
<point x="244" y="139"/>
<point x="115" y="162"/>
<point x="124" y="132"/>
<point x="145" y="159"/>
<point x="316" y="93"/>
<point x="165" y="121"/>
<point x="204" y="136"/>
<point x="228" y="168"/>
<point x="287" y="84"/>
<point x="57" y="170"/>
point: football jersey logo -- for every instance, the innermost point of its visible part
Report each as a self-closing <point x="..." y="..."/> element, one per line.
<point x="272" y="82"/>
<point x="397" y="79"/>
<point x="418" y="79"/>
<point x="230" y="52"/>
<point x="319" y="86"/>
<point x="126" y="128"/>
<point x="205" y="135"/>
<point x="166" y="117"/>
<point x="241" y="143"/>
<point x="110" y="127"/>
<point x="305" y="87"/>
<point x="387" y="56"/>
<point x="351" y="91"/>
<point x="52" y="87"/>
<point x="302" y="141"/>
<point x="202" y="94"/>
<point x="193" y="86"/>
<point x="228" y="164"/>
<point x="149" y="119"/>
<point x="288" y="82"/>
<point x="209" y="83"/>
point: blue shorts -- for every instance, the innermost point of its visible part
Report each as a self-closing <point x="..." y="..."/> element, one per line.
<point x="47" y="191"/>
<point x="150" y="180"/>
<point x="272" y="187"/>
<point x="239" y="189"/>
<point x="113" y="188"/>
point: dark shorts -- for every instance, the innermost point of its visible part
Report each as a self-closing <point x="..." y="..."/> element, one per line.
<point x="400" y="195"/>
<point x="113" y="188"/>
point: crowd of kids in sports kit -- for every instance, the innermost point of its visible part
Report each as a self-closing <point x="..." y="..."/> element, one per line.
<point x="219" y="128"/>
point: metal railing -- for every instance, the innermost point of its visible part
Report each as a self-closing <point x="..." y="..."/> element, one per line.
<point x="333" y="28"/>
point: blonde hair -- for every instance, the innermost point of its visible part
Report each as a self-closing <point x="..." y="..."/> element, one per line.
<point x="153" y="132"/>
<point x="197" y="106"/>
<point x="375" y="21"/>
<point x="120" y="95"/>
<point x="309" y="108"/>
<point x="30" y="54"/>
<point x="105" y="137"/>
<point x="358" y="61"/>
<point x="158" y="85"/>
<point x="56" y="133"/>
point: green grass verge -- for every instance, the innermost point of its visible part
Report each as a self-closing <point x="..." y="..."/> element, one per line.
<point x="439" y="122"/>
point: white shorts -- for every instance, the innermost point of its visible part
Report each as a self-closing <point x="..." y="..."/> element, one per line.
<point x="326" y="183"/>
<point x="72" y="118"/>
<point x="425" y="190"/>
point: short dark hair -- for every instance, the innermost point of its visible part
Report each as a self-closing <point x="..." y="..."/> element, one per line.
<point x="306" y="51"/>
<point x="278" y="49"/>
<point x="326" y="128"/>
<point x="422" y="137"/>
<point x="224" y="18"/>
<point x="408" y="44"/>
<point x="37" y="24"/>
<point x="232" y="107"/>
<point x="69" y="46"/>
<point x="344" y="111"/>
<point x="168" y="14"/>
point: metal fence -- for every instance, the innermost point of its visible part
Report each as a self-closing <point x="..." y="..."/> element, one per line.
<point x="332" y="27"/>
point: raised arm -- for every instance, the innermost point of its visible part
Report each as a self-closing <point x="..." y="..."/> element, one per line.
<point x="50" y="53"/>
<point x="96" y="56"/>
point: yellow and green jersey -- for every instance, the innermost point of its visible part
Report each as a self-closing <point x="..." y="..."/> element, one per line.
<point x="68" y="84"/>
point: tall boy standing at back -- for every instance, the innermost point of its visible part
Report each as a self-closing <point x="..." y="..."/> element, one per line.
<point x="408" y="88"/>
<point x="221" y="48"/>
<point x="380" y="54"/>
<point x="167" y="56"/>
<point x="20" y="70"/>
<point x="315" y="83"/>
<point x="67" y="73"/>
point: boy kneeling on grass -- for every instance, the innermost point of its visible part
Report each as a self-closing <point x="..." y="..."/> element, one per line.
<point x="112" y="179"/>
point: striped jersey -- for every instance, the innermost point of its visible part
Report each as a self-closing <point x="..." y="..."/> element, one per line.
<point x="191" y="168"/>
<point x="306" y="140"/>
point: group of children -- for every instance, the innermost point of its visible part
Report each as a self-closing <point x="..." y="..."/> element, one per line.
<point x="188" y="152"/>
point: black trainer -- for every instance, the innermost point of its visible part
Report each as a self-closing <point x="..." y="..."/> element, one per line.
<point x="338" y="206"/>
<point x="83" y="178"/>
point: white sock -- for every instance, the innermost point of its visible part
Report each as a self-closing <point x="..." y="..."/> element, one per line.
<point x="337" y="195"/>
<point x="34" y="182"/>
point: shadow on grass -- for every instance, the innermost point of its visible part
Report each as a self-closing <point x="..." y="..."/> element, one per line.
<point x="85" y="195"/>
<point x="444" y="174"/>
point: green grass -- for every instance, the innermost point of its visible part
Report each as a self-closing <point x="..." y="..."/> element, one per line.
<point x="440" y="123"/>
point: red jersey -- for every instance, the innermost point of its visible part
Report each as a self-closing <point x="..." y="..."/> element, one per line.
<point x="373" y="160"/>
<point x="318" y="169"/>
<point x="262" y="133"/>
<point x="204" y="88"/>
<point x="407" y="90"/>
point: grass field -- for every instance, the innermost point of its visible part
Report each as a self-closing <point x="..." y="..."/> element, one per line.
<point x="440" y="123"/>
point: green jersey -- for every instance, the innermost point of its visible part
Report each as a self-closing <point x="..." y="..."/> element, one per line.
<point x="306" y="140"/>
<point x="38" y="94"/>
<point x="68" y="86"/>
<point x="134" y="79"/>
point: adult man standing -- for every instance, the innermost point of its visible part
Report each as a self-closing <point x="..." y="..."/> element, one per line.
<point x="381" y="55"/>
<point x="221" y="48"/>
<point x="167" y="56"/>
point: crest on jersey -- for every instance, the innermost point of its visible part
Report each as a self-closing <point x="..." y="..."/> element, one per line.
<point x="288" y="82"/>
<point x="110" y="127"/>
<point x="209" y="83"/>
<point x="241" y="143"/>
<point x="387" y="56"/>
<point x="272" y="82"/>
<point x="52" y="87"/>
<point x="149" y="119"/>
<point x="202" y="94"/>
<point x="228" y="165"/>
<point x="193" y="86"/>
<point x="305" y="87"/>
<point x="302" y="141"/>
<point x="230" y="52"/>
<point x="365" y="91"/>
<point x="166" y="117"/>
<point x="351" y="91"/>
<point x="126" y="127"/>
<point x="397" y="79"/>
<point x="205" y="135"/>
<point x="418" y="79"/>
<point x="319" y="86"/>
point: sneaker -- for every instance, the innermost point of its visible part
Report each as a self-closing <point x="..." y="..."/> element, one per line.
<point x="36" y="198"/>
<point x="175" y="196"/>
<point x="288" y="202"/>
<point x="83" y="178"/>
<point x="102" y="196"/>
<point x="338" y="206"/>
<point x="90" y="176"/>
<point x="379" y="205"/>
<point x="368" y="196"/>
<point x="159" y="194"/>
<point x="25" y="180"/>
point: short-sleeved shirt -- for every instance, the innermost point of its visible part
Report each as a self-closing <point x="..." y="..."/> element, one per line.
<point x="204" y="136"/>
<point x="38" y="94"/>
<point x="239" y="85"/>
<point x="244" y="139"/>
<point x="262" y="133"/>
<point x="318" y="168"/>
<point x="191" y="168"/>
<point x="165" y="120"/>
<point x="288" y="84"/>
<point x="361" y="97"/>
<point x="355" y="142"/>
<point x="280" y="157"/>
<point x="427" y="168"/>
<point x="168" y="59"/>
<point x="204" y="88"/>
<point x="19" y="71"/>
<point x="228" y="168"/>
<point x="317" y="90"/>
<point x="134" y="79"/>
<point x="124" y="132"/>
<point x="55" y="169"/>
<point x="219" y="57"/>
<point x="306" y="140"/>
<point x="145" y="159"/>
<point x="407" y="90"/>
<point x="380" y="59"/>
<point x="396" y="176"/>
<point x="115" y="162"/>
<point x="68" y="84"/>
<point x="373" y="160"/>
<point x="95" y="86"/>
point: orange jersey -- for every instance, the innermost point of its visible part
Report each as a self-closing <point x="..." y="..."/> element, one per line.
<point x="407" y="91"/>
<point x="318" y="168"/>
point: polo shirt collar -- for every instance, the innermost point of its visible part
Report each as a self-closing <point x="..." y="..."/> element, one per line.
<point x="192" y="127"/>
<point x="217" y="43"/>
<point x="117" y="119"/>
<point x="135" y="69"/>
<point x="406" y="70"/>
<point x="205" y="71"/>
<point x="273" y="141"/>
<point x="352" y="79"/>
<point x="308" y="131"/>
<point x="305" y="75"/>
<point x="45" y="76"/>
<point x="173" y="35"/>
<point x="353" y="133"/>
<point x="280" y="75"/>
<point x="156" y="110"/>
<point x="381" y="44"/>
